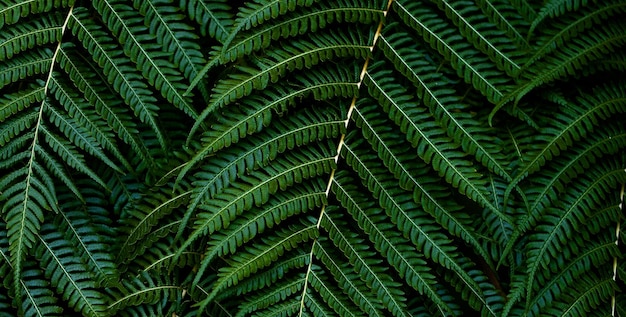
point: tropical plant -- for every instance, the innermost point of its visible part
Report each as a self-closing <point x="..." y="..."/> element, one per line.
<point x="312" y="158"/>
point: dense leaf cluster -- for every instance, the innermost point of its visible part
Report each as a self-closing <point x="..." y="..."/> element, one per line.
<point x="312" y="158"/>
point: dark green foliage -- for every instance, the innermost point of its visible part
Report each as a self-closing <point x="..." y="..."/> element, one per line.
<point x="312" y="158"/>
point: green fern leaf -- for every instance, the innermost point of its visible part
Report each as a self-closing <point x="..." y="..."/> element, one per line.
<point x="213" y="16"/>
<point x="67" y="275"/>
<point x="364" y="263"/>
<point x="20" y="37"/>
<point x="347" y="279"/>
<point x="555" y="8"/>
<point x="286" y="58"/>
<point x="159" y="72"/>
<point x="475" y="69"/>
<point x="445" y="159"/>
<point x="309" y="19"/>
<point x="15" y="103"/>
<point x="30" y="63"/>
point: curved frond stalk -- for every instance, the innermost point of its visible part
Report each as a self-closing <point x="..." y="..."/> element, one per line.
<point x="144" y="215"/>
<point x="142" y="50"/>
<point x="364" y="262"/>
<point x="310" y="19"/>
<point x="570" y="59"/>
<point x="565" y="220"/>
<point x="255" y="112"/>
<point x="294" y="55"/>
<point x="555" y="8"/>
<point x="143" y="289"/>
<point x="256" y="12"/>
<point x="432" y="145"/>
<point x="571" y="125"/>
<point x="562" y="30"/>
<point x="464" y="58"/>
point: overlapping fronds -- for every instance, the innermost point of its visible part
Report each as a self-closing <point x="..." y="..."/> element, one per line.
<point x="312" y="158"/>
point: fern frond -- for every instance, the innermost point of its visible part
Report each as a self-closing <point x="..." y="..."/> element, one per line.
<point x="97" y="93"/>
<point x="143" y="289"/>
<point x="67" y="274"/>
<point x="255" y="112"/>
<point x="14" y="103"/>
<point x="283" y="206"/>
<point x="568" y="27"/>
<point x="256" y="12"/>
<point x="475" y="27"/>
<point x="121" y="75"/>
<point x="145" y="214"/>
<point x="272" y="296"/>
<point x="33" y="62"/>
<point x="309" y="19"/>
<point x="258" y="256"/>
<point x="213" y="16"/>
<point x="564" y="221"/>
<point x="43" y="29"/>
<point x="427" y="191"/>
<point x="297" y="54"/>
<point x="555" y="8"/>
<point x="256" y="189"/>
<point x="348" y="280"/>
<point x="301" y="128"/>
<point x="291" y="262"/>
<point x="569" y="270"/>
<point x="11" y="11"/>
<point x="80" y="125"/>
<point x="333" y="297"/>
<point x="505" y="16"/>
<point x="175" y="37"/>
<point x="565" y="128"/>
<point x="409" y="220"/>
<point x="570" y="59"/>
<point x="432" y="145"/>
<point x="431" y="87"/>
<point x="364" y="262"/>
<point x="141" y="49"/>
<point x="475" y="69"/>
<point x="39" y="300"/>
<point x="401" y="254"/>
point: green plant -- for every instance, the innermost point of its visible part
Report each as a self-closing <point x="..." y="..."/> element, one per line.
<point x="309" y="158"/>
